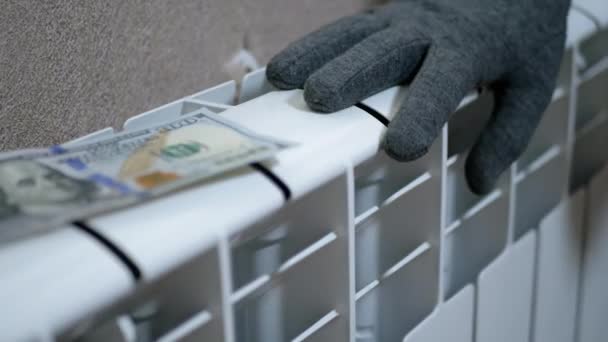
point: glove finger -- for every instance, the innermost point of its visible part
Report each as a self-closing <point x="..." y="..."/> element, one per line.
<point x="291" y="67"/>
<point x="443" y="81"/>
<point x="520" y="101"/>
<point x="517" y="113"/>
<point x="382" y="60"/>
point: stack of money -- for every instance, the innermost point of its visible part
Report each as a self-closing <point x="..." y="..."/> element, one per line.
<point x="46" y="188"/>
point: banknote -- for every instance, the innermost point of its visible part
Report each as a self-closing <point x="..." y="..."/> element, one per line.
<point x="42" y="189"/>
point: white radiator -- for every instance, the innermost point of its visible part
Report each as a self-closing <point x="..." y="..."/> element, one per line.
<point x="337" y="242"/>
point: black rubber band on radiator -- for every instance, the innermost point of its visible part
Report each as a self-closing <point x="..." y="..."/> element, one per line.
<point x="383" y="120"/>
<point x="110" y="246"/>
<point x="279" y="182"/>
<point x="271" y="176"/>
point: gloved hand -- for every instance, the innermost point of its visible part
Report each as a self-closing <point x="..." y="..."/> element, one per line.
<point x="445" y="48"/>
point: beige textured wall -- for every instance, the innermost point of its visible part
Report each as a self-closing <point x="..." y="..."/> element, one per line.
<point x="70" y="67"/>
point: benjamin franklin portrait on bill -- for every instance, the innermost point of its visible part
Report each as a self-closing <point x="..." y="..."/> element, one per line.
<point x="35" y="189"/>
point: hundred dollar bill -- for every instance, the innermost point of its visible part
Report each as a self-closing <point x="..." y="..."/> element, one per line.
<point x="41" y="189"/>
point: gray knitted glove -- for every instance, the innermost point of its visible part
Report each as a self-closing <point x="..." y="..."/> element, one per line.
<point x="445" y="48"/>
